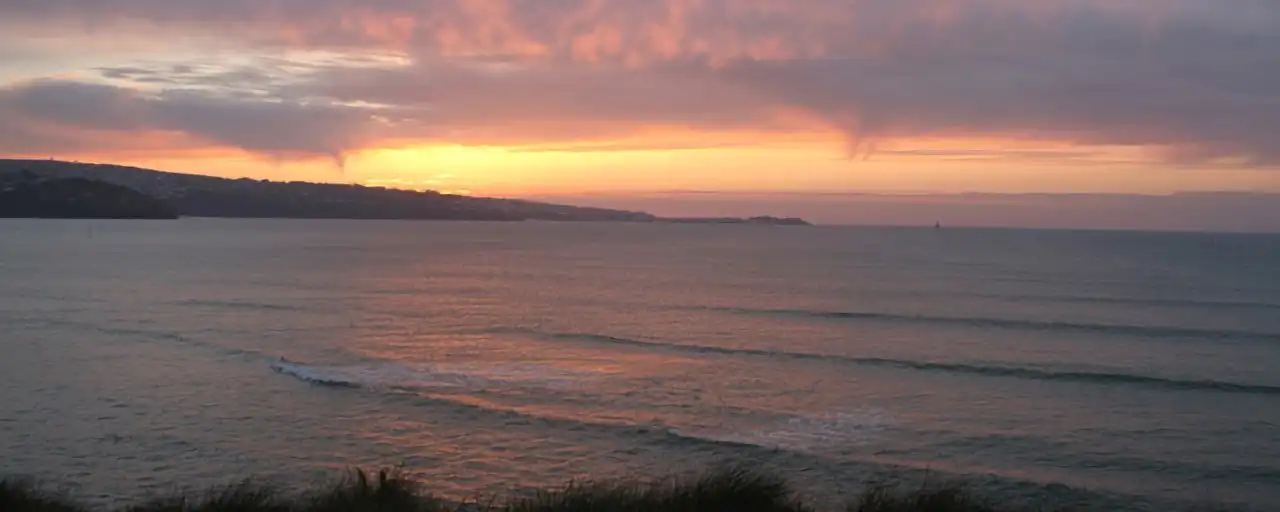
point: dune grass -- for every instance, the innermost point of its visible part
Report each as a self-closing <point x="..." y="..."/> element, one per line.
<point x="728" y="491"/>
<point x="245" y="497"/>
<point x="391" y="491"/>
<point x="394" y="491"/>
<point x="24" y="496"/>
<point x="887" y="498"/>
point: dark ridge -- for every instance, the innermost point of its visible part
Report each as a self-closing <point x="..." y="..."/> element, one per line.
<point x="26" y="196"/>
<point x="992" y="371"/>
<point x="234" y="304"/>
<point x="1086" y="377"/>
<point x="207" y="196"/>
<point x="1015" y="324"/>
<point x="1217" y="304"/>
<point x="1087" y="299"/>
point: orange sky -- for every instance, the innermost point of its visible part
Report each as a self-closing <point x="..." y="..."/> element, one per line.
<point x="514" y="171"/>
<point x="516" y="98"/>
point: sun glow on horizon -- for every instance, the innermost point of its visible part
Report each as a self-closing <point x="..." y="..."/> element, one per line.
<point x="933" y="166"/>
<point x="637" y="166"/>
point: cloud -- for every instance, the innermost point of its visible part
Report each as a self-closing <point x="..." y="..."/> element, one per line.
<point x="513" y="103"/>
<point x="1194" y="80"/>
<point x="59" y="115"/>
<point x="1199" y="91"/>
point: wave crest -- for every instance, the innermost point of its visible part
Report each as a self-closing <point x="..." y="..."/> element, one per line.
<point x="389" y="375"/>
<point x="803" y="433"/>
<point x="976" y="369"/>
<point x="1141" y="331"/>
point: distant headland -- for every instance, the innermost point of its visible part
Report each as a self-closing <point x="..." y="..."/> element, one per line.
<point x="25" y="196"/>
<point x="763" y="220"/>
<point x="52" y="188"/>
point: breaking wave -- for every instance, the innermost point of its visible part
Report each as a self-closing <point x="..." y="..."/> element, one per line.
<point x="238" y="304"/>
<point x="387" y="375"/>
<point x="802" y="433"/>
<point x="1016" y="324"/>
<point x="975" y="369"/>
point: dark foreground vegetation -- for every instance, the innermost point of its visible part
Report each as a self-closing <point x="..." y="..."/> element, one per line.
<point x="392" y="491"/>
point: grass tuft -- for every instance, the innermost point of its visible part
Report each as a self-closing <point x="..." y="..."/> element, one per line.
<point x="20" y="496"/>
<point x="888" y="498"/>
<point x="390" y="490"/>
<point x="737" y="490"/>
<point x="245" y="497"/>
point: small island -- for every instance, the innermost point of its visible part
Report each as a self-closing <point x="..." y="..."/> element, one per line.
<point x="764" y="220"/>
<point x="77" y="198"/>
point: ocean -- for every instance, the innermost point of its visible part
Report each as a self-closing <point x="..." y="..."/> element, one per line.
<point x="1118" y="370"/>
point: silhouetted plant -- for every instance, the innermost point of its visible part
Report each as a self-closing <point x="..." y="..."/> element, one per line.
<point x="880" y="497"/>
<point x="245" y="497"/>
<point x="726" y="491"/>
<point x="22" y="496"/>
<point x="390" y="490"/>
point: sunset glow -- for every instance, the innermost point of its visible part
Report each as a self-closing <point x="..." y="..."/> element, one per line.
<point x="509" y="98"/>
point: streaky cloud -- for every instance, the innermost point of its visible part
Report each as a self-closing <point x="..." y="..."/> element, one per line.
<point x="1193" y="81"/>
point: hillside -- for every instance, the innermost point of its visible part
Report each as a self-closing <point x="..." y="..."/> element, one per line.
<point x="24" y="196"/>
<point x="206" y="196"/>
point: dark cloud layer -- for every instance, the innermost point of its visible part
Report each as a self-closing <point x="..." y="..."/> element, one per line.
<point x="1198" y="80"/>
<point x="77" y="114"/>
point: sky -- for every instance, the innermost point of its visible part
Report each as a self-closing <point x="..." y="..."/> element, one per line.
<point x="663" y="103"/>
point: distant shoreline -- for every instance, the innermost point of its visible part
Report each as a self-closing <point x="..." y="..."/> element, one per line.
<point x="172" y="195"/>
<point x="659" y="220"/>
<point x="764" y="220"/>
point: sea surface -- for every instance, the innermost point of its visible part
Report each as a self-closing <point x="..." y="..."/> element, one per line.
<point x="1122" y="370"/>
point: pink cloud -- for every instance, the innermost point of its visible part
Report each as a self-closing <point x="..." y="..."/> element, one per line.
<point x="1194" y="80"/>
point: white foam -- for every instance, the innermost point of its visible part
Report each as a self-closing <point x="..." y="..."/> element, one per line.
<point x="388" y="375"/>
<point x="807" y="433"/>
